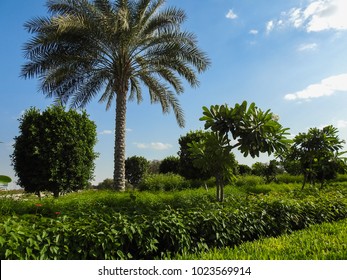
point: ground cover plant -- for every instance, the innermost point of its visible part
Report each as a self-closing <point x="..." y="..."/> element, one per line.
<point x="327" y="241"/>
<point x="155" y="225"/>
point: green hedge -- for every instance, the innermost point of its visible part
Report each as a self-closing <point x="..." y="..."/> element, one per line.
<point x="327" y="241"/>
<point x="148" y="232"/>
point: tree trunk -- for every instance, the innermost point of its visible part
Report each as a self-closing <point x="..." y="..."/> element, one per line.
<point x="119" y="147"/>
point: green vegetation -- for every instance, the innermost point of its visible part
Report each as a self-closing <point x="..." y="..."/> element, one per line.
<point x="168" y="209"/>
<point x="150" y="225"/>
<point x="54" y="150"/>
<point x="327" y="241"/>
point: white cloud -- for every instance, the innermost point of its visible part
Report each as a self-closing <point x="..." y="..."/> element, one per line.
<point x="231" y="15"/>
<point x="253" y="31"/>
<point x="153" y="146"/>
<point x="319" y="15"/>
<point x="341" y="124"/>
<point x="270" y="26"/>
<point x="307" y="47"/>
<point x="326" y="87"/>
<point x="106" y="132"/>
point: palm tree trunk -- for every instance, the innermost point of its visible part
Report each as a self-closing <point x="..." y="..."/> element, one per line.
<point x="119" y="147"/>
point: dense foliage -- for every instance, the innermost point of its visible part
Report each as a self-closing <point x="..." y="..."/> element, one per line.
<point x="327" y="241"/>
<point x="135" y="168"/>
<point x="107" y="225"/>
<point x="170" y="164"/>
<point x="317" y="152"/>
<point x="187" y="168"/>
<point x="54" y="150"/>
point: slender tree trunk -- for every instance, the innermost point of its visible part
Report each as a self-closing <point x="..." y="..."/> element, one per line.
<point x="119" y="147"/>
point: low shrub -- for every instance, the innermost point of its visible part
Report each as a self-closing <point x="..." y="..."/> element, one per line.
<point x="249" y="181"/>
<point x="326" y="241"/>
<point x="163" y="182"/>
<point x="286" y="178"/>
<point x="134" y="225"/>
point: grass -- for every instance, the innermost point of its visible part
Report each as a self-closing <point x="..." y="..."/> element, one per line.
<point x="327" y="241"/>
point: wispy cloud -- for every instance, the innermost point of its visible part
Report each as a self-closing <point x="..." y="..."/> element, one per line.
<point x="231" y="15"/>
<point x="153" y="146"/>
<point x="318" y="15"/>
<point x="307" y="47"/>
<point x="341" y="124"/>
<point x="106" y="132"/>
<point x="253" y="31"/>
<point x="269" y="26"/>
<point x="326" y="87"/>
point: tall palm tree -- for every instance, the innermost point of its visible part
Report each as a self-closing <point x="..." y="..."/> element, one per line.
<point x="114" y="48"/>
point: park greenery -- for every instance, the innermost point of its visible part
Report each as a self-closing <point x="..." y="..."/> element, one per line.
<point x="54" y="150"/>
<point x="201" y="203"/>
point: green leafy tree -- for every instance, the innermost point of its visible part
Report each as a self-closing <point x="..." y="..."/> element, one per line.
<point x="267" y="170"/>
<point x="187" y="168"/>
<point x="318" y="152"/>
<point x="135" y="168"/>
<point x="54" y="150"/>
<point x="5" y="180"/>
<point x="115" y="48"/>
<point x="244" y="169"/>
<point x="252" y="130"/>
<point x="170" y="164"/>
<point x="213" y="155"/>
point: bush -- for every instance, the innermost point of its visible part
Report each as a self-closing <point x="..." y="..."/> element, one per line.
<point x="286" y="178"/>
<point x="113" y="225"/>
<point x="249" y="181"/>
<point x="170" y="164"/>
<point x="163" y="182"/>
<point x="301" y="245"/>
<point x="135" y="168"/>
<point x="54" y="151"/>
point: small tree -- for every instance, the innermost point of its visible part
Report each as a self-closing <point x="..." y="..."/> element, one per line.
<point x="267" y="170"/>
<point x="135" y="168"/>
<point x="54" y="151"/>
<point x="317" y="151"/>
<point x="213" y="155"/>
<point x="170" y="164"/>
<point x="244" y="169"/>
<point x="187" y="168"/>
<point x="252" y="131"/>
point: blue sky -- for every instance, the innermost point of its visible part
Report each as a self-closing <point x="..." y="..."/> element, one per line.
<point x="289" y="56"/>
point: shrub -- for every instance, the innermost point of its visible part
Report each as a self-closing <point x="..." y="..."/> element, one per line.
<point x="170" y="164"/>
<point x="163" y="182"/>
<point x="135" y="168"/>
<point x="249" y="180"/>
<point x="301" y="245"/>
<point x="286" y="178"/>
<point x="109" y="225"/>
<point x="54" y="151"/>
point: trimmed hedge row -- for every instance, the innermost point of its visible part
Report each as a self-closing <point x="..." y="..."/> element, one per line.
<point x="163" y="233"/>
<point x="327" y="241"/>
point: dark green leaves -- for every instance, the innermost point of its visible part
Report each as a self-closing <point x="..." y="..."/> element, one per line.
<point x="253" y="130"/>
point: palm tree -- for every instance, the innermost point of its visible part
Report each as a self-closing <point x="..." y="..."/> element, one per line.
<point x="114" y="48"/>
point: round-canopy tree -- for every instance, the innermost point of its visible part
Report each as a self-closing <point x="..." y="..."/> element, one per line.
<point x="318" y="153"/>
<point x="247" y="128"/>
<point x="54" y="150"/>
<point x="113" y="47"/>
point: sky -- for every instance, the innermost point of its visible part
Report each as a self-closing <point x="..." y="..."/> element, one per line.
<point x="289" y="56"/>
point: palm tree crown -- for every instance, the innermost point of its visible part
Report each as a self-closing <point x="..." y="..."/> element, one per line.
<point x="113" y="48"/>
